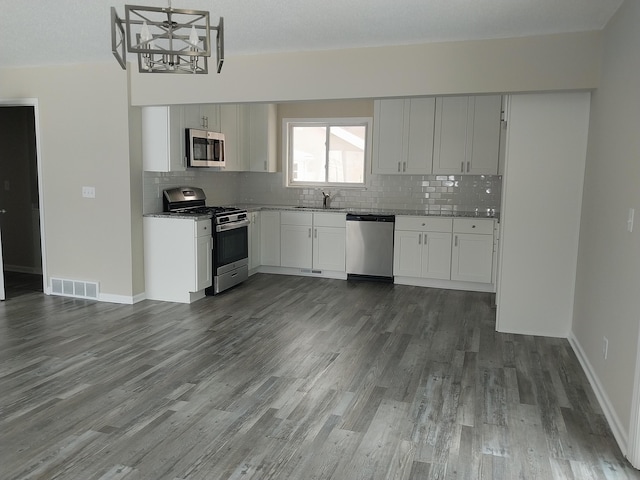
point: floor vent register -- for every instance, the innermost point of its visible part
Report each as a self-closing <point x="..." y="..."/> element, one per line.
<point x="74" y="288"/>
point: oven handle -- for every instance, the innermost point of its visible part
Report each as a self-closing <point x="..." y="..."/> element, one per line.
<point x="232" y="226"/>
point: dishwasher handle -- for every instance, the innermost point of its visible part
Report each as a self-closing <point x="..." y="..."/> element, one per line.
<point x="369" y="217"/>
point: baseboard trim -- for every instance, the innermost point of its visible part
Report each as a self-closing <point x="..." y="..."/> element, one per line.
<point x="122" y="299"/>
<point x="619" y="432"/>
<point x="446" y="284"/>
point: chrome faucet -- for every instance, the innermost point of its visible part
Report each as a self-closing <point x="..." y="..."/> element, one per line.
<point x="326" y="198"/>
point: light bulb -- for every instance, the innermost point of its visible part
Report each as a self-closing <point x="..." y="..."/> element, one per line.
<point x="194" y="40"/>
<point x="145" y="34"/>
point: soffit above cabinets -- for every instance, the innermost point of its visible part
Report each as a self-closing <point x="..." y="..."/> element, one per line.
<point x="39" y="32"/>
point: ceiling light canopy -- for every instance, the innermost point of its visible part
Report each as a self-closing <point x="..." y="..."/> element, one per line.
<point x="166" y="40"/>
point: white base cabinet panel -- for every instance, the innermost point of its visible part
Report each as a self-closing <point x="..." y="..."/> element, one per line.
<point x="177" y="258"/>
<point x="254" y="233"/>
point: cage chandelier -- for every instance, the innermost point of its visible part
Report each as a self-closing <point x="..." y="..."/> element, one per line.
<point x="166" y="40"/>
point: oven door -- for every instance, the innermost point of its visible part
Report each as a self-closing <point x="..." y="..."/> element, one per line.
<point x="230" y="246"/>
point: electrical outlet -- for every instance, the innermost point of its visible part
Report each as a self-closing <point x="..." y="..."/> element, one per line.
<point x="89" y="192"/>
<point x="605" y="347"/>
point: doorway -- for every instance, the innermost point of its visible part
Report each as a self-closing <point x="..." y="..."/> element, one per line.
<point x="20" y="199"/>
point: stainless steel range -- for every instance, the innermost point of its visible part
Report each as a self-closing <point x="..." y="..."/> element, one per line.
<point x="229" y="230"/>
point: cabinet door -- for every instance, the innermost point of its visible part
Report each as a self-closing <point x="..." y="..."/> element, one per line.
<point x="450" y="139"/>
<point x="329" y="247"/>
<point x="388" y="136"/>
<point x="204" y="262"/>
<point x="296" y="246"/>
<point x="472" y="257"/>
<point x="204" y="117"/>
<point x="485" y="144"/>
<point x="407" y="253"/>
<point x="254" y="240"/>
<point x="436" y="255"/>
<point x="419" y="148"/>
<point x="262" y="120"/>
<point x="231" y="124"/>
<point x="270" y="238"/>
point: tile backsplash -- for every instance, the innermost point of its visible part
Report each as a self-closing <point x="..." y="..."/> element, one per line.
<point x="428" y="193"/>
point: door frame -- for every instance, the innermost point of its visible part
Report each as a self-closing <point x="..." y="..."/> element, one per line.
<point x="633" y="443"/>
<point x="33" y="102"/>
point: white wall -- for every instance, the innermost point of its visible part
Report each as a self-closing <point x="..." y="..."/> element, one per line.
<point x="551" y="62"/>
<point x="540" y="220"/>
<point x="84" y="139"/>
<point x="607" y="301"/>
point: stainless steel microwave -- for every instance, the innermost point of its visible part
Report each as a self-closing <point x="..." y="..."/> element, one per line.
<point x="204" y="148"/>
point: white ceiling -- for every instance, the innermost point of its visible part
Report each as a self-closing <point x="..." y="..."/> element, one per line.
<point x="36" y="32"/>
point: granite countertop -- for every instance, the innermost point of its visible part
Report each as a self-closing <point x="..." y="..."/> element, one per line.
<point x="190" y="216"/>
<point x="377" y="211"/>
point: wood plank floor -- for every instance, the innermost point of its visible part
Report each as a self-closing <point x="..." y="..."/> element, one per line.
<point x="292" y="378"/>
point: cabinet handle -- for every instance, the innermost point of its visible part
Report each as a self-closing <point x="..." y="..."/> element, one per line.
<point x="426" y="239"/>
<point x="315" y="233"/>
<point x="468" y="166"/>
<point x="455" y="241"/>
<point x="265" y="165"/>
<point x="404" y="166"/>
<point x="398" y="166"/>
<point x="309" y="233"/>
<point x="461" y="167"/>
<point x="419" y="239"/>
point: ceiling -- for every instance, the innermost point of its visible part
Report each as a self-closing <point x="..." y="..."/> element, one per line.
<point x="38" y="32"/>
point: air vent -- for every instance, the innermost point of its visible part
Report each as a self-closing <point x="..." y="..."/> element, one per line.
<point x="74" y="288"/>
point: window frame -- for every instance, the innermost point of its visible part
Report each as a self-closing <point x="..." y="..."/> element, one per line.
<point x="289" y="123"/>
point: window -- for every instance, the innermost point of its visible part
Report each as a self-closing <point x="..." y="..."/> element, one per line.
<point x="327" y="151"/>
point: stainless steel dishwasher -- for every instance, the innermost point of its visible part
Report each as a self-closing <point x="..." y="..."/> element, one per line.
<point x="370" y="246"/>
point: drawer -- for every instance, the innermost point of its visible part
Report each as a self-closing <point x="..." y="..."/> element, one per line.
<point x="203" y="227"/>
<point x="472" y="225"/>
<point x="296" y="218"/>
<point x="338" y="220"/>
<point x="423" y="224"/>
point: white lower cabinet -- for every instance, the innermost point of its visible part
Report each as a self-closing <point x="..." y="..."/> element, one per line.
<point x="422" y="247"/>
<point x="472" y="253"/>
<point x="329" y="241"/>
<point x="313" y="240"/>
<point x="254" y="233"/>
<point x="445" y="252"/>
<point x="182" y="275"/>
<point x="270" y="238"/>
<point x="296" y="243"/>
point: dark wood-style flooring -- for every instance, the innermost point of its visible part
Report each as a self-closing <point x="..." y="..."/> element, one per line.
<point x="292" y="378"/>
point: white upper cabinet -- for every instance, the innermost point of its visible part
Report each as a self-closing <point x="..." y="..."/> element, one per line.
<point x="204" y="116"/>
<point x="162" y="139"/>
<point x="403" y="136"/>
<point x="467" y="135"/>
<point x="232" y="124"/>
<point x="261" y="125"/>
